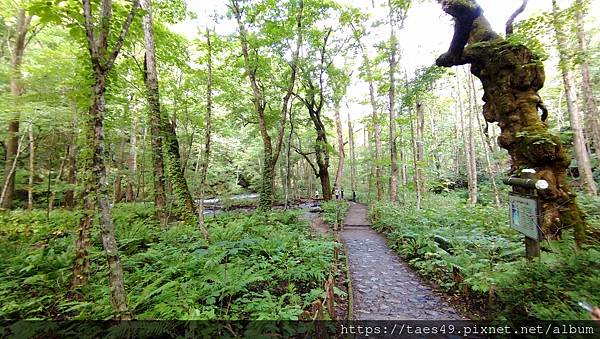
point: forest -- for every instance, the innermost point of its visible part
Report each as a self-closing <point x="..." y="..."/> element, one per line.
<point x="298" y="160"/>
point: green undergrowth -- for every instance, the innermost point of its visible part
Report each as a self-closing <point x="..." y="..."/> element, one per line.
<point x="259" y="266"/>
<point x="333" y="209"/>
<point x="473" y="252"/>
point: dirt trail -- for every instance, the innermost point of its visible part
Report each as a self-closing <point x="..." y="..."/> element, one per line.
<point x="384" y="287"/>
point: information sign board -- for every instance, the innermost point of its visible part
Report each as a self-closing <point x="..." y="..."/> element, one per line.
<point x="524" y="212"/>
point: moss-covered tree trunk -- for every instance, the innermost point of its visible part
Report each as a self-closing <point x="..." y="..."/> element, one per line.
<point x="270" y="154"/>
<point x="321" y="153"/>
<point x="156" y="120"/>
<point x="95" y="195"/>
<point x="512" y="76"/>
<point x="184" y="201"/>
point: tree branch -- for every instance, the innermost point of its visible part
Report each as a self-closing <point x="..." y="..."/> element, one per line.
<point x="89" y="32"/>
<point x="509" y="23"/>
<point x="305" y="156"/>
<point x="124" y="30"/>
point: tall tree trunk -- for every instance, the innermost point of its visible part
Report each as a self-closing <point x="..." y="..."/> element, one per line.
<point x="270" y="156"/>
<point x="512" y="76"/>
<point x="417" y="175"/>
<point x="185" y="203"/>
<point x="207" y="132"/>
<point x="288" y="177"/>
<point x="96" y="186"/>
<point x="16" y="90"/>
<point x="72" y="170"/>
<point x="157" y="120"/>
<point x="392" y="111"/>
<point x="31" y="168"/>
<point x="581" y="153"/>
<point x="352" y="156"/>
<point x="375" y="120"/>
<point x="457" y="139"/>
<point x="591" y="108"/>
<point x="420" y="141"/>
<point x="61" y="168"/>
<point x="403" y="162"/>
<point x="118" y="190"/>
<point x="437" y="161"/>
<point x="466" y="138"/>
<point x="170" y="144"/>
<point x="321" y="145"/>
<point x="491" y="168"/>
<point x="11" y="170"/>
<point x="378" y="146"/>
<point x="131" y="194"/>
<point x="340" y="144"/>
<point x="473" y="191"/>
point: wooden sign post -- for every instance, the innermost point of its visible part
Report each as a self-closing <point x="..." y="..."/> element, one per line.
<point x="525" y="209"/>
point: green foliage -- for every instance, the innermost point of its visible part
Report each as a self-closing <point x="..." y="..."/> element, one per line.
<point x="473" y="250"/>
<point x="333" y="208"/>
<point x="261" y="266"/>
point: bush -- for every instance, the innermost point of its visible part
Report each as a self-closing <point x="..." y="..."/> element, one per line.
<point x="471" y="250"/>
<point x="333" y="208"/>
<point x="260" y="266"/>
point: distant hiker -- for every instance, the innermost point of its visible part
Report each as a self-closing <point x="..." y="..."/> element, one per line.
<point x="337" y="193"/>
<point x="317" y="194"/>
<point x="342" y="194"/>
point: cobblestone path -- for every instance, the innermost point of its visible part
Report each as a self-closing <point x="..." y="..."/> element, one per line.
<point x="384" y="287"/>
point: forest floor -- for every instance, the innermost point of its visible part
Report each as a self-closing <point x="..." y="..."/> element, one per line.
<point x="384" y="287"/>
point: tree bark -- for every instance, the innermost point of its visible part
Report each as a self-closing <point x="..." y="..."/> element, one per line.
<point x="420" y="141"/>
<point x="375" y="120"/>
<point x="403" y="162"/>
<point x="171" y="158"/>
<point x="511" y="76"/>
<point x="11" y="171"/>
<point x="270" y="156"/>
<point x="185" y="203"/>
<point x="491" y="168"/>
<point x="118" y="190"/>
<point x="465" y="131"/>
<point x="31" y="167"/>
<point x="339" y="174"/>
<point x="392" y="111"/>
<point x="581" y="153"/>
<point x="96" y="186"/>
<point x="395" y="18"/>
<point x="352" y="156"/>
<point x="207" y="132"/>
<point x="72" y="170"/>
<point x="157" y="120"/>
<point x="16" y="90"/>
<point x="591" y="107"/>
<point x="376" y="136"/>
<point x="288" y="176"/>
<point x="131" y="193"/>
<point x="470" y="143"/>
<point x="321" y="153"/>
<point x="61" y="168"/>
<point x="417" y="175"/>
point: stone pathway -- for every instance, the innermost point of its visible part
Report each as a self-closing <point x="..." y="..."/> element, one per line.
<point x="384" y="287"/>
